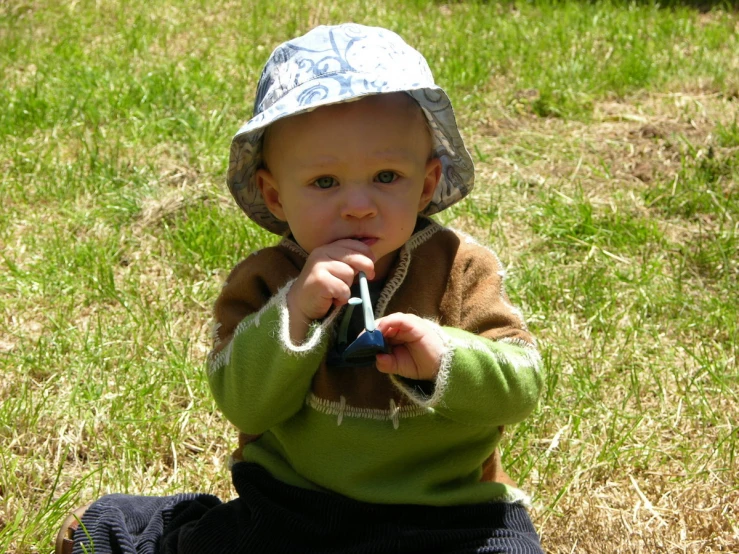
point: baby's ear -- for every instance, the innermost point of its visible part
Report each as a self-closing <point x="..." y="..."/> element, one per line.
<point x="271" y="194"/>
<point x="430" y="182"/>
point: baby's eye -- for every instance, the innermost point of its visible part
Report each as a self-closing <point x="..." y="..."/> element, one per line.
<point x="325" y="182"/>
<point x="386" y="176"/>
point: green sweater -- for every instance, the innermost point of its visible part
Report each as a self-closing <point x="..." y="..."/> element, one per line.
<point x="356" y="431"/>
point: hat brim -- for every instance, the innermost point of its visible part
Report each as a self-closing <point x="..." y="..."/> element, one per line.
<point x="458" y="174"/>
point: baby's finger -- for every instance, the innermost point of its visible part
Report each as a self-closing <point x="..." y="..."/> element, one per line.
<point x="357" y="262"/>
<point x="400" y="328"/>
<point x="353" y="245"/>
<point x="386" y="363"/>
<point x="337" y="289"/>
<point x="355" y="254"/>
<point x="328" y="270"/>
<point x="400" y="362"/>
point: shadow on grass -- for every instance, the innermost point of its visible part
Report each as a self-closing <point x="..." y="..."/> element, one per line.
<point x="702" y="6"/>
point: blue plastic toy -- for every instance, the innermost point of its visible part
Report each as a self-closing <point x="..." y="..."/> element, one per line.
<point x="368" y="344"/>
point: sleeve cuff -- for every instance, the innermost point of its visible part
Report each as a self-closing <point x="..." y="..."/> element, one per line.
<point x="419" y="394"/>
<point x="279" y="330"/>
<point x="316" y="330"/>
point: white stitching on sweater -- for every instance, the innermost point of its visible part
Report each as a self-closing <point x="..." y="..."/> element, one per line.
<point x="219" y="360"/>
<point x="293" y="247"/>
<point x="520" y="342"/>
<point x="424" y="234"/>
<point x="393" y="284"/>
<point x="394" y="411"/>
<point x="342" y="407"/>
<point x="223" y="357"/>
<point x="214" y="327"/>
<point x="330" y="407"/>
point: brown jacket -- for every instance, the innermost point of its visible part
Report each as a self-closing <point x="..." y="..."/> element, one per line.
<point x="439" y="275"/>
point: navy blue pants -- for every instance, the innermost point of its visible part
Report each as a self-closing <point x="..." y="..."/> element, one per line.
<point x="271" y="517"/>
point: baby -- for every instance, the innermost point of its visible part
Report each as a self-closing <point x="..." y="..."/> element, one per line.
<point x="351" y="148"/>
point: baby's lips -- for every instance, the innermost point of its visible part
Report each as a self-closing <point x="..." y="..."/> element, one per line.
<point x="369" y="241"/>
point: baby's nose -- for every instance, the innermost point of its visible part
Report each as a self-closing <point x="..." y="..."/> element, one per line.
<point x="358" y="204"/>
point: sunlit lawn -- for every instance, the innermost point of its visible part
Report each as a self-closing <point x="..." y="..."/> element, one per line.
<point x="606" y="138"/>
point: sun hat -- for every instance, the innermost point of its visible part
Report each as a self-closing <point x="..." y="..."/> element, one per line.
<point x="342" y="63"/>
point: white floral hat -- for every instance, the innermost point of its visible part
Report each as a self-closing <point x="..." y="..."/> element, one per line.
<point x="341" y="63"/>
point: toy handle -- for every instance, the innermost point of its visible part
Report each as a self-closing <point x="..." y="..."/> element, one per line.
<point x="369" y="316"/>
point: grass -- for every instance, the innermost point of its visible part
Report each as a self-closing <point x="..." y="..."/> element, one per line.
<point x="606" y="142"/>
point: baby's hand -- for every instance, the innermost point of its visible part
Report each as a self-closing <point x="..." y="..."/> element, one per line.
<point x="417" y="347"/>
<point x="325" y="281"/>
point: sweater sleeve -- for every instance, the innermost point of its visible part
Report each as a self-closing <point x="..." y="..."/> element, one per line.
<point x="257" y="375"/>
<point x="490" y="372"/>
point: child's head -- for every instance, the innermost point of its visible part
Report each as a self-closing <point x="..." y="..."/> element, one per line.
<point x="329" y="106"/>
<point x="361" y="170"/>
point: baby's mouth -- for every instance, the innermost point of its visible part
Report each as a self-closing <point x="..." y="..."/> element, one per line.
<point x="369" y="241"/>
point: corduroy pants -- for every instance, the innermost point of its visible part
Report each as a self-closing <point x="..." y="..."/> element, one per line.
<point x="271" y="517"/>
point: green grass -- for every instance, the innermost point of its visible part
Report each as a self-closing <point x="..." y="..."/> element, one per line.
<point x="606" y="142"/>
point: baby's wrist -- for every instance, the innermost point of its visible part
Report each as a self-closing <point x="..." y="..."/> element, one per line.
<point x="299" y="323"/>
<point x="294" y="306"/>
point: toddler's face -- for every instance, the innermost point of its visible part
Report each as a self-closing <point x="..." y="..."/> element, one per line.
<point x="357" y="170"/>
